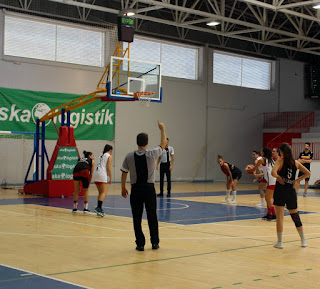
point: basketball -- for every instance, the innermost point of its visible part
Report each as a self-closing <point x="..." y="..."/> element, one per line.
<point x="249" y="167"/>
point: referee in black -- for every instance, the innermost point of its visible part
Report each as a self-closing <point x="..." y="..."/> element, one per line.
<point x="142" y="164"/>
<point x="166" y="161"/>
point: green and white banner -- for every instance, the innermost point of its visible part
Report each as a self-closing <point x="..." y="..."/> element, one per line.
<point x="65" y="162"/>
<point x="19" y="110"/>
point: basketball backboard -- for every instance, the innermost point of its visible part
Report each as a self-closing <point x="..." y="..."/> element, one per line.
<point x="129" y="76"/>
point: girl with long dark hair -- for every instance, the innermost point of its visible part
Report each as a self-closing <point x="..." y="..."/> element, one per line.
<point x="103" y="177"/>
<point x="266" y="164"/>
<point x="82" y="173"/>
<point x="285" y="193"/>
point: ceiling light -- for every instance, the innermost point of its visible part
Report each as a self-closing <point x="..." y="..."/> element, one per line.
<point x="316" y="6"/>
<point x="213" y="23"/>
<point x="130" y="14"/>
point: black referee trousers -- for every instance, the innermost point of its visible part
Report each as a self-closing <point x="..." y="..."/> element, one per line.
<point x="165" y="170"/>
<point x="144" y="195"/>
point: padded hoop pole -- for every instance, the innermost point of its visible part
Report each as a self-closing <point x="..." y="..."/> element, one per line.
<point x="68" y="118"/>
<point x="37" y="149"/>
<point x="62" y="117"/>
<point x="43" y="128"/>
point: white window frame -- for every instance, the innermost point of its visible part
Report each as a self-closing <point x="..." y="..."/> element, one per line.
<point x="196" y="48"/>
<point x="242" y="57"/>
<point x="17" y="59"/>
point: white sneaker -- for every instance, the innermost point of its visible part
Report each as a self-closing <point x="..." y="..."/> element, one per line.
<point x="278" y="245"/>
<point x="304" y="243"/>
<point x="226" y="200"/>
<point x="260" y="205"/>
<point x="233" y="202"/>
<point x="305" y="195"/>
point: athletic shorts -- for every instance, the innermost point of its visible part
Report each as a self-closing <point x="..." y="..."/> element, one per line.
<point x="271" y="187"/>
<point x="82" y="176"/>
<point x="263" y="180"/>
<point x="237" y="176"/>
<point x="301" y="174"/>
<point x="99" y="183"/>
<point x="285" y="195"/>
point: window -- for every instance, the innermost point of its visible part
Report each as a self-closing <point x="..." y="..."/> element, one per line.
<point x="177" y="61"/>
<point x="240" y="71"/>
<point x="54" y="42"/>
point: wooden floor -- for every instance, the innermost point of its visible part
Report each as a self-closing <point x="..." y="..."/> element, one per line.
<point x="93" y="252"/>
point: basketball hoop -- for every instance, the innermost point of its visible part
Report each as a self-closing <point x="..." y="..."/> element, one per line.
<point x="144" y="97"/>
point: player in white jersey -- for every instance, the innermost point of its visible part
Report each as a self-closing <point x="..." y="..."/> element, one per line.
<point x="262" y="184"/>
<point x="103" y="177"/>
<point x="266" y="164"/>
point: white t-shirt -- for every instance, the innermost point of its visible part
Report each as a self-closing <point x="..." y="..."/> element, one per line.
<point x="266" y="169"/>
<point x="164" y="157"/>
<point x="129" y="165"/>
<point x="100" y="173"/>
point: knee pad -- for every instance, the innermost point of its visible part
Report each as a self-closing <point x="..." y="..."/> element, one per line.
<point x="296" y="219"/>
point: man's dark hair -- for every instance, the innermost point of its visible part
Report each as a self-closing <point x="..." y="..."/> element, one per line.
<point x="142" y="139"/>
<point x="307" y="143"/>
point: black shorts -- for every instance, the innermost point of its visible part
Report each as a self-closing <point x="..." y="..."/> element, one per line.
<point x="301" y="174"/>
<point x="237" y="176"/>
<point x="85" y="181"/>
<point x="285" y="195"/>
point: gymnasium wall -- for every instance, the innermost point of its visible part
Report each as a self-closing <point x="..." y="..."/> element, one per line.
<point x="202" y="119"/>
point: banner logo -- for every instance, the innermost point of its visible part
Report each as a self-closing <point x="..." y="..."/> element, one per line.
<point x="39" y="110"/>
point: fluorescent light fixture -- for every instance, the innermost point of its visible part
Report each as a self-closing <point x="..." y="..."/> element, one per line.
<point x="316" y="6"/>
<point x="213" y="23"/>
<point x="130" y="13"/>
<point x="62" y="1"/>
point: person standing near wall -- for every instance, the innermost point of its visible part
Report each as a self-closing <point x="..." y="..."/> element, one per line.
<point x="82" y="172"/>
<point x="103" y="177"/>
<point x="305" y="158"/>
<point x="166" y="161"/>
<point x="142" y="164"/>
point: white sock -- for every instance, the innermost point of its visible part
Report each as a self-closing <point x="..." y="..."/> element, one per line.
<point x="228" y="194"/>
<point x="262" y="201"/>
<point x="301" y="233"/>
<point x="234" y="194"/>
<point x="86" y="205"/>
<point x="75" y="205"/>
<point x="279" y="234"/>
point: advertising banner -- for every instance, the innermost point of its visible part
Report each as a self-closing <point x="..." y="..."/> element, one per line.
<point x="19" y="110"/>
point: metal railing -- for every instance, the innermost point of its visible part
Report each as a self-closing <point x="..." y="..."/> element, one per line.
<point x="283" y="119"/>
<point x="301" y="126"/>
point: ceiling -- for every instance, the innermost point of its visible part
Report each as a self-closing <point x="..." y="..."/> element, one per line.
<point x="273" y="28"/>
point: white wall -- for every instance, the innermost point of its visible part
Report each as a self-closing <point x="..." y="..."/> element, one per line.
<point x="202" y="119"/>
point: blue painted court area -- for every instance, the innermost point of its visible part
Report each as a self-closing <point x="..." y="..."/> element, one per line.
<point x="170" y="210"/>
<point x="11" y="278"/>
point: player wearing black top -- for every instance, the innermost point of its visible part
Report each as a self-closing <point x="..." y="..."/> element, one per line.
<point x="233" y="175"/>
<point x="284" y="170"/>
<point x="305" y="158"/>
<point x="82" y="172"/>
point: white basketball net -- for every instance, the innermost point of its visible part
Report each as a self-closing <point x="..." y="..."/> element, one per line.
<point x="144" y="97"/>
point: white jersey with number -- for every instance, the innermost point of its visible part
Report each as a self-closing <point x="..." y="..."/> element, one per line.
<point x="266" y="170"/>
<point x="100" y="173"/>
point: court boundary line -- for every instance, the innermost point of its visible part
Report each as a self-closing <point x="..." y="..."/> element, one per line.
<point x="40" y="275"/>
<point x="182" y="257"/>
